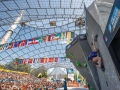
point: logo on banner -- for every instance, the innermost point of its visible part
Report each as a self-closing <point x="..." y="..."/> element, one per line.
<point x="113" y="20"/>
<point x="106" y="39"/>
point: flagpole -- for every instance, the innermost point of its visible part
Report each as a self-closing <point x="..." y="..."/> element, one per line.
<point x="10" y="31"/>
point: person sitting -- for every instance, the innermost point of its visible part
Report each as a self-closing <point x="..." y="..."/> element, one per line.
<point x="94" y="55"/>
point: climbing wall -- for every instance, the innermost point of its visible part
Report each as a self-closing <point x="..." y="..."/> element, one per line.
<point x="110" y="79"/>
<point x="78" y="52"/>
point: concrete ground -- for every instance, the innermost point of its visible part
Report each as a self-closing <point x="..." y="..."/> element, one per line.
<point x="72" y="88"/>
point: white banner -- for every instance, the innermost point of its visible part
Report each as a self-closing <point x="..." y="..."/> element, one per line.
<point x="71" y="76"/>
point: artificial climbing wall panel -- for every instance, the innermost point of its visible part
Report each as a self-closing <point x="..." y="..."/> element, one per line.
<point x="78" y="52"/>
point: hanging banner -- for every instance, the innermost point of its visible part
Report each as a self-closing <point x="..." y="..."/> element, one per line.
<point x="71" y="76"/>
<point x="113" y="23"/>
<point x="40" y="60"/>
<point x="66" y="36"/>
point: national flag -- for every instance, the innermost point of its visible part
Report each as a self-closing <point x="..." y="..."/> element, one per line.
<point x="19" y="61"/>
<point x="22" y="43"/>
<point x="49" y="37"/>
<point x="43" y="60"/>
<point x="62" y="36"/>
<point x="1" y="46"/>
<point x="34" y="60"/>
<point x="32" y="41"/>
<point x="47" y="59"/>
<point x="11" y="45"/>
<point x="45" y="38"/>
<point x="38" y="39"/>
<point x="16" y="62"/>
<point x="65" y="35"/>
<point x="56" y="60"/>
<point x="19" y="43"/>
<point x="24" y="61"/>
<point x="29" y="41"/>
<point x="50" y="60"/>
<point x="5" y="46"/>
<point x="29" y="60"/>
<point x="57" y="36"/>
<point x="15" y="44"/>
<point x="52" y="37"/>
<point x="41" y="39"/>
<point x="68" y="35"/>
<point x="37" y="60"/>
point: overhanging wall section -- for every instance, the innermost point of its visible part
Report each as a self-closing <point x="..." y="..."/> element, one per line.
<point x="80" y="51"/>
<point x="108" y="80"/>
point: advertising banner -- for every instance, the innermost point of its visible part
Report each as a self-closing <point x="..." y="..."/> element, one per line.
<point x="71" y="76"/>
<point x="113" y="23"/>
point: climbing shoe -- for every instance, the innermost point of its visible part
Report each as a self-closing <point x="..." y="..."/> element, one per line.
<point x="95" y="37"/>
<point x="102" y="68"/>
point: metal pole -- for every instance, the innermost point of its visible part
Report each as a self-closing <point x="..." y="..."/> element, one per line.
<point x="11" y="29"/>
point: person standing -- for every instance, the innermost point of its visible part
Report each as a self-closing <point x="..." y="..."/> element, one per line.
<point x="65" y="84"/>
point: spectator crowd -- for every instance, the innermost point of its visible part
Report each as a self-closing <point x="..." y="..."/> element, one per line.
<point x="15" y="81"/>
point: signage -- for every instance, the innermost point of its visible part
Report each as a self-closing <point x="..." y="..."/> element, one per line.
<point x="71" y="76"/>
<point x="113" y="23"/>
<point x="73" y="84"/>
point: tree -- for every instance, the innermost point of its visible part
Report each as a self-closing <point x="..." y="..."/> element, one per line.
<point x="41" y="75"/>
<point x="41" y="69"/>
<point x="18" y="67"/>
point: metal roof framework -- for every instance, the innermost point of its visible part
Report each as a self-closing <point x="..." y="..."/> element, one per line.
<point x="37" y="17"/>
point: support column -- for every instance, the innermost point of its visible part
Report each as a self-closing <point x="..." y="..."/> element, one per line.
<point x="10" y="31"/>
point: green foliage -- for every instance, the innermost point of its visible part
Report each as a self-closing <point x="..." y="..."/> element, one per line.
<point x="38" y="70"/>
<point x="19" y="67"/>
<point x="44" y="74"/>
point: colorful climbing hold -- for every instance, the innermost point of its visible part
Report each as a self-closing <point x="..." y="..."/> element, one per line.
<point x="84" y="64"/>
<point x="71" y="55"/>
<point x="78" y="63"/>
<point x="66" y="56"/>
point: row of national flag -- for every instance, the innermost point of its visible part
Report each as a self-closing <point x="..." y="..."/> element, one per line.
<point x="66" y="35"/>
<point x="40" y="60"/>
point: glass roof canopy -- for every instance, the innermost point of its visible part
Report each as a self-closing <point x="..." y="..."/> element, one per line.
<point x="37" y="17"/>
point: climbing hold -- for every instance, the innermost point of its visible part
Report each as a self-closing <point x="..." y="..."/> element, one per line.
<point x="78" y="63"/>
<point x="84" y="64"/>
<point x="90" y="88"/>
<point x="71" y="55"/>
<point x="66" y="56"/>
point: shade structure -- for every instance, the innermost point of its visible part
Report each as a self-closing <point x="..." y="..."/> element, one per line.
<point x="40" y="18"/>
